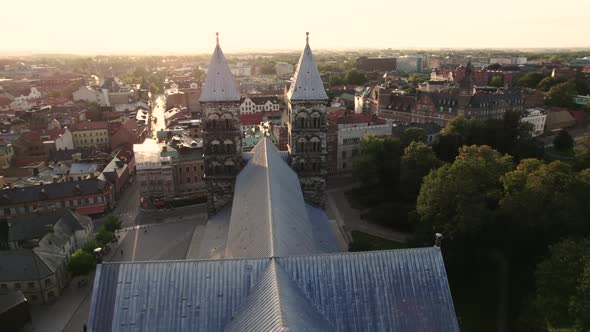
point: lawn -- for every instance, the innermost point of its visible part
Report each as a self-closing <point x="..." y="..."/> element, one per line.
<point x="365" y="242"/>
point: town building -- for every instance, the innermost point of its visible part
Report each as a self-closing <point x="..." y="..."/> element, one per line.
<point x="93" y="134"/>
<point x="252" y="104"/>
<point x="36" y="142"/>
<point x="90" y="94"/>
<point x="536" y="117"/>
<point x="408" y="64"/>
<point x="250" y="121"/>
<point x="153" y="171"/>
<point x="307" y="101"/>
<point x="87" y="197"/>
<point x="6" y="154"/>
<point x="37" y="250"/>
<point x="64" y="141"/>
<point x="126" y="134"/>
<point x="284" y="69"/>
<point x="376" y="64"/>
<point x="222" y="135"/>
<point x="350" y="128"/>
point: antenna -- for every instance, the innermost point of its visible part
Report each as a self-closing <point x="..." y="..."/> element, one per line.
<point x="438" y="240"/>
<point x="307" y="38"/>
<point x="217" y="37"/>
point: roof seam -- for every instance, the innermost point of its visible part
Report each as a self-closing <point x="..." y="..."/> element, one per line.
<point x="270" y="217"/>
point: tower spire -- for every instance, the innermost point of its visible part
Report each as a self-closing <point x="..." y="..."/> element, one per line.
<point x="217" y="38"/>
<point x="307" y="39"/>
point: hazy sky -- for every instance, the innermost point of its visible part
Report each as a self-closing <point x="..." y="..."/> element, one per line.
<point x="188" y="26"/>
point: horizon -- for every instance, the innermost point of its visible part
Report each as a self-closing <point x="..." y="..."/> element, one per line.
<point x="185" y="28"/>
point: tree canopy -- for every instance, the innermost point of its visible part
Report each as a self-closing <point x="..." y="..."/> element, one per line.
<point x="81" y="263"/>
<point x="530" y="80"/>
<point x="563" y="141"/>
<point x="354" y="77"/>
<point x="412" y="134"/>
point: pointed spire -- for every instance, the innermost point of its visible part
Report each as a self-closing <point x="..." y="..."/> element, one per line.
<point x="219" y="84"/>
<point x="307" y="83"/>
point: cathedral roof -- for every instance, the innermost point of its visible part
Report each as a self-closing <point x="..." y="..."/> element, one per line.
<point x="269" y="216"/>
<point x="307" y="83"/>
<point x="219" y="84"/>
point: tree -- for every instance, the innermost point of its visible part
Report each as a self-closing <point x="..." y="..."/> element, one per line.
<point x="563" y="141"/>
<point x="112" y="223"/>
<point x="561" y="280"/>
<point x="497" y="81"/>
<point x="198" y="74"/>
<point x="547" y="83"/>
<point x="459" y="199"/>
<point x="104" y="236"/>
<point x="583" y="154"/>
<point x="378" y="164"/>
<point x="90" y="245"/>
<point x="81" y="263"/>
<point x="354" y="77"/>
<point x="418" y="160"/>
<point x="530" y="80"/>
<point x="335" y="80"/>
<point x="561" y="94"/>
<point x="412" y="134"/>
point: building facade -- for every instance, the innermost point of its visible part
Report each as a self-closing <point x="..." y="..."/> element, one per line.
<point x="536" y="117"/>
<point x="307" y="101"/>
<point x="222" y="136"/>
<point x="91" y="135"/>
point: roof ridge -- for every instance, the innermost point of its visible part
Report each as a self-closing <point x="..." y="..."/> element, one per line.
<point x="270" y="215"/>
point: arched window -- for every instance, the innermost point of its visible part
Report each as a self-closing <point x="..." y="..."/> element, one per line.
<point x="315" y="144"/>
<point x="316" y="119"/>
<point x="228" y="146"/>
<point x="214" y="147"/>
<point x="229" y="166"/>
<point x="301" y="145"/>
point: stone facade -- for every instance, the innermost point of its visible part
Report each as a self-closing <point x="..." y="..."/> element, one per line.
<point x="222" y="142"/>
<point x="307" y="147"/>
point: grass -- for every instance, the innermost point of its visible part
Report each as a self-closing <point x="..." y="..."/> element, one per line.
<point x="366" y="242"/>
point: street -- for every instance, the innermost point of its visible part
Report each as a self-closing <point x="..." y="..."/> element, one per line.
<point x="158" y="109"/>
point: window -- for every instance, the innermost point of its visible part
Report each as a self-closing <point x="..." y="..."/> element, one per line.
<point x="354" y="152"/>
<point x="47" y="282"/>
<point x="17" y="285"/>
<point x="3" y="286"/>
<point x="343" y="165"/>
<point x="196" y="178"/>
<point x="343" y="154"/>
<point x="188" y="169"/>
<point x="195" y="168"/>
<point x="188" y="180"/>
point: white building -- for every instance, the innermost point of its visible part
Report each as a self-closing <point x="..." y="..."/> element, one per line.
<point x="537" y="117"/>
<point x="251" y="105"/>
<point x="90" y="95"/>
<point x="154" y="171"/>
<point x="284" y="69"/>
<point x="241" y="70"/>
<point x="64" y="141"/>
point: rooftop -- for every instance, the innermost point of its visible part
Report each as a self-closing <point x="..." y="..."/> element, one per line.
<point x="307" y="83"/>
<point x="219" y="84"/>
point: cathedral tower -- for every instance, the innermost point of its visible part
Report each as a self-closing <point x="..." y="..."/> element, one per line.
<point x="307" y="101"/>
<point x="222" y="139"/>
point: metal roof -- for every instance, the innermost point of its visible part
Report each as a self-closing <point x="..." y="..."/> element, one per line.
<point x="393" y="290"/>
<point x="269" y="216"/>
<point x="307" y="83"/>
<point x="219" y="85"/>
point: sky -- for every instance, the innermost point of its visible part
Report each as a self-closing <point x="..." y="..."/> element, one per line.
<point x="189" y="26"/>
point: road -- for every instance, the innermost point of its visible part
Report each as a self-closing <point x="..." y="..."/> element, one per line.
<point x="158" y="109"/>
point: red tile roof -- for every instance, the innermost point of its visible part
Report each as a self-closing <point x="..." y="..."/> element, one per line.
<point x="87" y="210"/>
<point x="94" y="125"/>
<point x="35" y="135"/>
<point x="251" y="119"/>
<point x="347" y="116"/>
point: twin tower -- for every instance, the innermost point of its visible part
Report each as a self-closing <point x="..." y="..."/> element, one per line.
<point x="222" y="137"/>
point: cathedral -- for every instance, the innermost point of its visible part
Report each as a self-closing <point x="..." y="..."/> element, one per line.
<point x="222" y="138"/>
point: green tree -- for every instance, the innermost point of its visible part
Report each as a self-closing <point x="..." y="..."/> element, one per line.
<point x="530" y="80"/>
<point x="497" y="81"/>
<point x="354" y="77"/>
<point x="561" y="94"/>
<point x="418" y="160"/>
<point x="104" y="236"/>
<point x="90" y="245"/>
<point x="112" y="223"/>
<point x="561" y="280"/>
<point x="583" y="154"/>
<point x="459" y="199"/>
<point x="563" y="141"/>
<point x="198" y="74"/>
<point x="378" y="164"/>
<point x="81" y="263"/>
<point x="547" y="83"/>
<point x="412" y="134"/>
<point x="335" y="80"/>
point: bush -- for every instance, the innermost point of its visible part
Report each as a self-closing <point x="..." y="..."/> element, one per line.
<point x="81" y="263"/>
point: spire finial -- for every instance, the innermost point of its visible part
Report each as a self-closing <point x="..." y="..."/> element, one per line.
<point x="217" y="37"/>
<point x="307" y="38"/>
